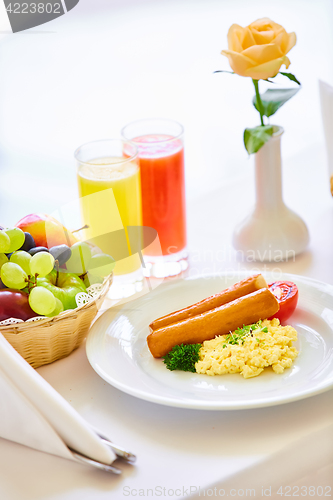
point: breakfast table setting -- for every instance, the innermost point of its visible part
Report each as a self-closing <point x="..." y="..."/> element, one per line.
<point x="180" y="448"/>
<point x="159" y="344"/>
<point x="183" y="449"/>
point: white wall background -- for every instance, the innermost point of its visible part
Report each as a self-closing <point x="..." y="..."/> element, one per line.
<point x="107" y="62"/>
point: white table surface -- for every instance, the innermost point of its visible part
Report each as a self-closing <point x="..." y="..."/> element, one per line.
<point x="179" y="447"/>
<point x="176" y="448"/>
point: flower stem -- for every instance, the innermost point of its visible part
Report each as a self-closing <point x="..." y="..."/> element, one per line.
<point x="259" y="103"/>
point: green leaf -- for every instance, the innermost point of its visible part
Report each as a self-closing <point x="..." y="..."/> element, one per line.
<point x="273" y="99"/>
<point x="291" y="77"/>
<point x="255" y="138"/>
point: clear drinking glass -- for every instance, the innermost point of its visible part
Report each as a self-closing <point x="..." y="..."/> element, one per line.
<point x="161" y="153"/>
<point x="110" y="202"/>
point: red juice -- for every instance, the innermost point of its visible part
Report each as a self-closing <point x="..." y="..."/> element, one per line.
<point x="163" y="189"/>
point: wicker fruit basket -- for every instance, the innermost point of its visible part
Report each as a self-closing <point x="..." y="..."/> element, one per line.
<point x="46" y="340"/>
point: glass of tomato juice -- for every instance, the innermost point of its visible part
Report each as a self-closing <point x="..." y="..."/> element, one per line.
<point x="161" y="155"/>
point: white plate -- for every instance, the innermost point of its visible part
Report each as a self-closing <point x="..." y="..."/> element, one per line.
<point x="118" y="352"/>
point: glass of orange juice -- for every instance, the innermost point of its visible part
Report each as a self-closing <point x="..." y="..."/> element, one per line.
<point x="110" y="201"/>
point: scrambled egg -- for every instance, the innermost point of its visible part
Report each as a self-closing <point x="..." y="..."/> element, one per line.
<point x="254" y="351"/>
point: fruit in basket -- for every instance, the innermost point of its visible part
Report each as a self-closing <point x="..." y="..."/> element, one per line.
<point x="3" y="259"/>
<point x="64" y="287"/>
<point x="61" y="253"/>
<point x="57" y="310"/>
<point x="29" y="242"/>
<point x="42" y="264"/>
<point x="42" y="301"/>
<point x="80" y="257"/>
<point x="2" y="286"/>
<point x="16" y="237"/>
<point x="35" y="250"/>
<point x="46" y="230"/>
<point x="15" y="304"/>
<point x="13" y="276"/>
<point x="21" y="258"/>
<point x="4" y="242"/>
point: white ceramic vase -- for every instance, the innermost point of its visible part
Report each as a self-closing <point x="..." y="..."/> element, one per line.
<point x="272" y="232"/>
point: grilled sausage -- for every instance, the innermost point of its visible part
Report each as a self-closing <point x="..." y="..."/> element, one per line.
<point x="244" y="287"/>
<point x="219" y="321"/>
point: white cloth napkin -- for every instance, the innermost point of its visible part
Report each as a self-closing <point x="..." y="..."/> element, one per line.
<point x="34" y="414"/>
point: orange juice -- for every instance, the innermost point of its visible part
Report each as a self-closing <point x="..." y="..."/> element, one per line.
<point x="123" y="177"/>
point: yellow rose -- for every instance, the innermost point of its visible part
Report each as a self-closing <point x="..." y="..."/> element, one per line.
<point x="258" y="50"/>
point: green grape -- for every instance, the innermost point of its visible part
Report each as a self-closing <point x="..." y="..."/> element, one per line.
<point x="57" y="310"/>
<point x="4" y="242"/>
<point x="41" y="263"/>
<point x="13" y="276"/>
<point x="80" y="258"/>
<point x="3" y="259"/>
<point x="16" y="237"/>
<point x="42" y="301"/>
<point x="101" y="265"/>
<point x="21" y="258"/>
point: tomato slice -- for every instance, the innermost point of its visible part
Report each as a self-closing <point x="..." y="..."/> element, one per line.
<point x="286" y="293"/>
